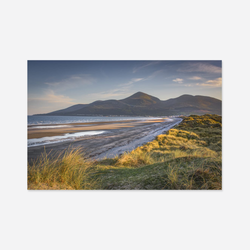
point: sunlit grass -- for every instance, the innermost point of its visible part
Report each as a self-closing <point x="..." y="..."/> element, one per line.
<point x="68" y="170"/>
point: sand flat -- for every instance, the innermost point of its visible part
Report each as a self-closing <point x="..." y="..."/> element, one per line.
<point x="39" y="133"/>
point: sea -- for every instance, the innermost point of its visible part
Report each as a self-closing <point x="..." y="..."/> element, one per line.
<point x="52" y="120"/>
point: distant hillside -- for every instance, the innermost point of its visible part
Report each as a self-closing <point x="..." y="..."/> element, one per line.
<point x="144" y="104"/>
<point x="69" y="109"/>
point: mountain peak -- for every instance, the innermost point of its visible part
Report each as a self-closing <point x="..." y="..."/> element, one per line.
<point x="186" y="95"/>
<point x="140" y="99"/>
<point x="138" y="94"/>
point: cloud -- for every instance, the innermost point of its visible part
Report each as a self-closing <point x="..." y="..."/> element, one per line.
<point x="195" y="78"/>
<point x="179" y="80"/>
<point x="154" y="74"/>
<point x="72" y="81"/>
<point x="123" y="90"/>
<point x="133" y="80"/>
<point x="51" y="97"/>
<point x="200" y="67"/>
<point x="212" y="83"/>
<point x="111" y="93"/>
<point x="137" y="79"/>
<point x="135" y="69"/>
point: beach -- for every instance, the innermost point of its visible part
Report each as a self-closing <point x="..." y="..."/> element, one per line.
<point x="104" y="139"/>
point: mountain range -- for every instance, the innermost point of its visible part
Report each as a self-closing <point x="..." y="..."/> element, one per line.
<point x="141" y="104"/>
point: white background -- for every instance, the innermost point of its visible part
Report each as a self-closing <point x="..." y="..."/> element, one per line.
<point x="146" y="30"/>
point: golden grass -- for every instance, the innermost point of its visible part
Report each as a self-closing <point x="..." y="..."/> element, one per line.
<point x="68" y="170"/>
<point x="135" y="158"/>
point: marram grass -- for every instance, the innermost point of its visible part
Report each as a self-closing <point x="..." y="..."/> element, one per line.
<point x="68" y="170"/>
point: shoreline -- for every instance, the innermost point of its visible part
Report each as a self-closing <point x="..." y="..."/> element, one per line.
<point x="118" y="137"/>
<point x="79" y="127"/>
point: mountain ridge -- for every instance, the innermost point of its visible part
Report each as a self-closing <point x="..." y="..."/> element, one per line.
<point x="142" y="104"/>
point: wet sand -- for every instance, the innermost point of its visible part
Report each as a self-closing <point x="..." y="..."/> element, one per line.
<point x="118" y="137"/>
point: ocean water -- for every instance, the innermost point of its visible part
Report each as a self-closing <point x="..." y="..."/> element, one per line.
<point x="50" y="120"/>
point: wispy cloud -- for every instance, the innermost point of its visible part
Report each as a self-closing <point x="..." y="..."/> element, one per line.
<point x="212" y="83"/>
<point x="179" y="80"/>
<point x="195" y="78"/>
<point x="133" y="80"/>
<point x="154" y="74"/>
<point x="199" y="67"/>
<point x="109" y="94"/>
<point x="72" y="81"/>
<point x="51" y="97"/>
<point x="122" y="90"/>
<point x="135" y="69"/>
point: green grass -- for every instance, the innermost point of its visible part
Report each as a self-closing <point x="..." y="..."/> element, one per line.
<point x="186" y="157"/>
<point x="180" y="173"/>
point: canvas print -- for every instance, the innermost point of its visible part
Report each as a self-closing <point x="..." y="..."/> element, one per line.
<point x="124" y="125"/>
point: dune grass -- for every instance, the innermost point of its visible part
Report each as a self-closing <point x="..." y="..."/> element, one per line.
<point x="68" y="170"/>
<point x="186" y="157"/>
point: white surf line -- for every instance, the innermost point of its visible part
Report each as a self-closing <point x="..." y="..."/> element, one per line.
<point x="49" y="126"/>
<point x="55" y="139"/>
<point x="135" y="143"/>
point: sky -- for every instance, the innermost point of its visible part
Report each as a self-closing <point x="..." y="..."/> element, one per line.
<point x="54" y="85"/>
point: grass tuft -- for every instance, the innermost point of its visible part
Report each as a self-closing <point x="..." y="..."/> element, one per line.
<point x="67" y="170"/>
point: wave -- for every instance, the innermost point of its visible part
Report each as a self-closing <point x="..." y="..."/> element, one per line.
<point x="48" y="126"/>
<point x="61" y="138"/>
